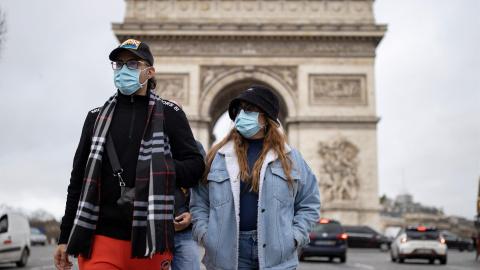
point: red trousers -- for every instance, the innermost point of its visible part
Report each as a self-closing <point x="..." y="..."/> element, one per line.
<point x="113" y="254"/>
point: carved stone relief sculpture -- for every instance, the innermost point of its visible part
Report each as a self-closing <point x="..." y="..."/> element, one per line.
<point x="287" y="74"/>
<point x="172" y="87"/>
<point x="337" y="89"/>
<point x="339" y="180"/>
<point x="360" y="11"/>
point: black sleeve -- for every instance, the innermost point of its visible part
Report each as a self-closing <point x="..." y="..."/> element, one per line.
<point x="189" y="164"/>
<point x="76" y="178"/>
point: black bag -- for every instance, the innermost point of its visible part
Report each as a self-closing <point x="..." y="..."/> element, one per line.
<point x="125" y="202"/>
<point x="127" y="195"/>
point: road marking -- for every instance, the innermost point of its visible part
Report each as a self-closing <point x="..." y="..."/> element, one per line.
<point x="46" y="267"/>
<point x="365" y="266"/>
<point x="459" y="267"/>
<point x="43" y="267"/>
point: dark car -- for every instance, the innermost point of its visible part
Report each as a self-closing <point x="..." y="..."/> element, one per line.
<point x="453" y="241"/>
<point x="328" y="239"/>
<point x="367" y="237"/>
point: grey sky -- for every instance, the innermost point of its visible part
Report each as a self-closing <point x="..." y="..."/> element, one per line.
<point x="55" y="67"/>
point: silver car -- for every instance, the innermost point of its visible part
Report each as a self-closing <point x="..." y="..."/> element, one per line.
<point x="419" y="243"/>
<point x="37" y="237"/>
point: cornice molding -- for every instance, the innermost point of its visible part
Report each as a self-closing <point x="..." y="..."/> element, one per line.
<point x="257" y="46"/>
<point x="333" y="120"/>
<point x="250" y="29"/>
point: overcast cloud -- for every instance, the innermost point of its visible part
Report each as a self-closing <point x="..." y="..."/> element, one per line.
<point x="54" y="67"/>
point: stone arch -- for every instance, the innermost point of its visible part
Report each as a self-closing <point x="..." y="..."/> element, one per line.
<point x="219" y="91"/>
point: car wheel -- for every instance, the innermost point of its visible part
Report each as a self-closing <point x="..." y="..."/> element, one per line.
<point x="391" y="257"/>
<point x="470" y="248"/>
<point x="443" y="261"/>
<point x="460" y="249"/>
<point x="431" y="261"/>
<point x="384" y="247"/>
<point x="330" y="259"/>
<point x="343" y="258"/>
<point x="23" y="258"/>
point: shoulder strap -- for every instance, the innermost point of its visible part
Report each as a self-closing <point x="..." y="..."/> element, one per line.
<point x="112" y="154"/>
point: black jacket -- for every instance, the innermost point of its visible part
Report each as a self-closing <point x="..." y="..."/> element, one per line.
<point x="127" y="127"/>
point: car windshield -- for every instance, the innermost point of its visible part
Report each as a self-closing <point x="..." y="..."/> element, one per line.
<point x="423" y="235"/>
<point x="35" y="231"/>
<point x="327" y="228"/>
<point x="449" y="234"/>
<point x="375" y="230"/>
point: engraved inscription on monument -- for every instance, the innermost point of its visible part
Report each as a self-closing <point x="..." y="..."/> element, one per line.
<point x="338" y="178"/>
<point x="172" y="86"/>
<point x="337" y="89"/>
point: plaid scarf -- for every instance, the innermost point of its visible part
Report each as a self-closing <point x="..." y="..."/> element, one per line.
<point x="153" y="228"/>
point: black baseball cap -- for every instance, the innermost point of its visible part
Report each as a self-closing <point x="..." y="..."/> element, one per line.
<point x="262" y="97"/>
<point x="138" y="48"/>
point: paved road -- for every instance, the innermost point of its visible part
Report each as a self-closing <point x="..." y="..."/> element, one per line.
<point x="358" y="259"/>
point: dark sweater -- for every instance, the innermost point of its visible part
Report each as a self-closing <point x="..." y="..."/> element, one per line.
<point x="249" y="200"/>
<point x="127" y="127"/>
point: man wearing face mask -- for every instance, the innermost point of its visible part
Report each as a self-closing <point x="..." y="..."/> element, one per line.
<point x="156" y="151"/>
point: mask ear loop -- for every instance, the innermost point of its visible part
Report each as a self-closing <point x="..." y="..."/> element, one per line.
<point x="142" y="84"/>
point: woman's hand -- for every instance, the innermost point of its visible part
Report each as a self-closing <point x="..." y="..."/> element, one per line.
<point x="60" y="258"/>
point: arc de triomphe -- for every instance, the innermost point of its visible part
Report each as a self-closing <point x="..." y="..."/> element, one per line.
<point x="317" y="55"/>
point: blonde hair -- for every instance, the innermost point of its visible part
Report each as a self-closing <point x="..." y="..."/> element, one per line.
<point x="274" y="139"/>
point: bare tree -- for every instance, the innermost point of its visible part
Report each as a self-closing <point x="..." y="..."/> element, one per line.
<point x="40" y="215"/>
<point x="3" y="28"/>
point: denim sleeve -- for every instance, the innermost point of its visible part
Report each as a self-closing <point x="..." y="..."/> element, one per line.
<point x="200" y="210"/>
<point x="307" y="203"/>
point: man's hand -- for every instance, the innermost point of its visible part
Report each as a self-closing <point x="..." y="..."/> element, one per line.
<point x="183" y="221"/>
<point x="60" y="257"/>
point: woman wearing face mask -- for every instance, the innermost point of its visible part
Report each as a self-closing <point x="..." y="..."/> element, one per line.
<point x="156" y="151"/>
<point x="258" y="199"/>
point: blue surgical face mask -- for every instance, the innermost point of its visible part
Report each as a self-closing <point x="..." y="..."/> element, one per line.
<point x="128" y="80"/>
<point x="247" y="123"/>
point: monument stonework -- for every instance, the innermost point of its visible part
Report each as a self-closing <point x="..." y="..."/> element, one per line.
<point x="317" y="55"/>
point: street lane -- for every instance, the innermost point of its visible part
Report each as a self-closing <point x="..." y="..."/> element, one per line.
<point x="371" y="259"/>
<point x="359" y="259"/>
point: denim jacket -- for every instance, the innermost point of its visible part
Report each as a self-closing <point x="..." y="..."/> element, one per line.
<point x="282" y="216"/>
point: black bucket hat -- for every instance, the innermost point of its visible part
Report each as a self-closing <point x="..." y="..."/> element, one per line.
<point x="262" y="97"/>
<point x="138" y="48"/>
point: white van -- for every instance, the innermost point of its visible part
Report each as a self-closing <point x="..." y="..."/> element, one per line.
<point x="14" y="238"/>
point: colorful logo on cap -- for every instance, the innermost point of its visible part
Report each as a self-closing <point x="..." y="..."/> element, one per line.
<point x="130" y="44"/>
